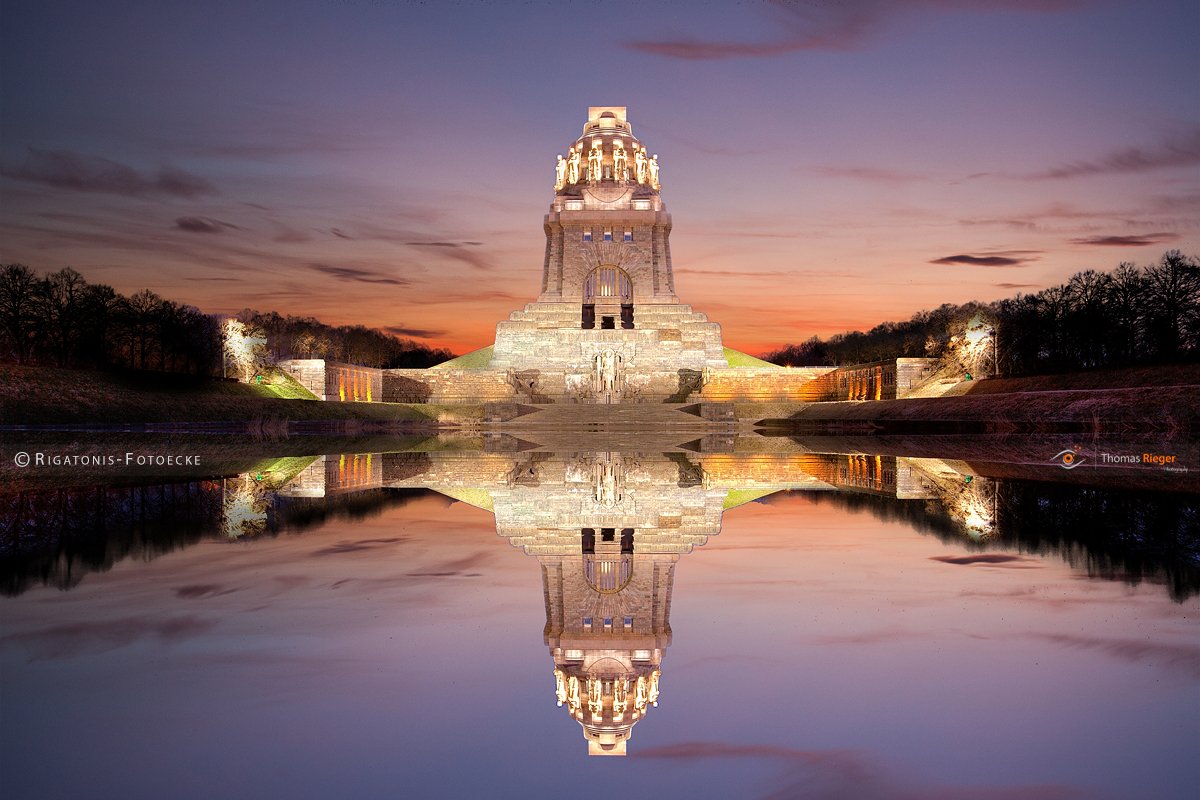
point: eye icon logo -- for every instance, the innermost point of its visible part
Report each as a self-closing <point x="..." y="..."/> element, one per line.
<point x="1068" y="459"/>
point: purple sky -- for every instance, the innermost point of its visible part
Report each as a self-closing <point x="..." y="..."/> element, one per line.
<point x="828" y="165"/>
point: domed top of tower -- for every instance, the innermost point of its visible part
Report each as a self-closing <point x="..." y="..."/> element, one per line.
<point x="607" y="160"/>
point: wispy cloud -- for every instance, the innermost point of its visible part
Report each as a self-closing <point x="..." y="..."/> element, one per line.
<point x="291" y="236"/>
<point x="990" y="559"/>
<point x="1177" y="151"/>
<point x="1128" y="241"/>
<point x="89" y="638"/>
<point x="416" y="333"/>
<point x="201" y="590"/>
<point x="358" y="275"/>
<point x="1184" y="658"/>
<point x="982" y="261"/>
<point x="827" y="774"/>
<point x="457" y="568"/>
<point x="202" y="225"/>
<point x="65" y="169"/>
<point x="358" y="545"/>
<point x="872" y="174"/>
<point x="832" y="26"/>
<point x="458" y="251"/>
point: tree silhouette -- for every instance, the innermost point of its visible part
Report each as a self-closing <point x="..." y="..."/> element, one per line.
<point x="1097" y="319"/>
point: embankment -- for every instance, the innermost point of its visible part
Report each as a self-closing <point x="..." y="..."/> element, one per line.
<point x="38" y="395"/>
<point x="1161" y="399"/>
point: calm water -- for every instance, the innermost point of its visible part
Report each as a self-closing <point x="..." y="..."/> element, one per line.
<point x="462" y="619"/>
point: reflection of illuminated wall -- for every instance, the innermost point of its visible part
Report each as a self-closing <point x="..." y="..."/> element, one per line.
<point x="331" y="475"/>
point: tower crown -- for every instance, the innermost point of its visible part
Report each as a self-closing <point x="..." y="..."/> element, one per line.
<point x="607" y="164"/>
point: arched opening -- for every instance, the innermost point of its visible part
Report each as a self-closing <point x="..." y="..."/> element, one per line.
<point x="608" y="574"/>
<point x="607" y="286"/>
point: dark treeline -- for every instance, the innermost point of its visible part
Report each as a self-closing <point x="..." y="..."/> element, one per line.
<point x="56" y="537"/>
<point x="297" y="337"/>
<point x="1125" y="317"/>
<point x="62" y="319"/>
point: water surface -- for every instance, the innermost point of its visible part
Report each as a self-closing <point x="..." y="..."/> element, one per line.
<point x="802" y="622"/>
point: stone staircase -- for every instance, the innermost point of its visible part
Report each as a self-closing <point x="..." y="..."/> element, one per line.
<point x="648" y="315"/>
<point x="625" y="416"/>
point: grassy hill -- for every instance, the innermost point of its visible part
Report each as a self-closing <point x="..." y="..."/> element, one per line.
<point x="37" y="395"/>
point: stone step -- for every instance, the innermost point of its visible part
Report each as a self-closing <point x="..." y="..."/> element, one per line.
<point x="623" y="415"/>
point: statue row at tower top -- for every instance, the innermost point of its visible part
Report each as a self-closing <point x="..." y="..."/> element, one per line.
<point x="620" y="167"/>
<point x="607" y="152"/>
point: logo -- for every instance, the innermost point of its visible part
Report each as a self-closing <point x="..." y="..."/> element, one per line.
<point x="1068" y="459"/>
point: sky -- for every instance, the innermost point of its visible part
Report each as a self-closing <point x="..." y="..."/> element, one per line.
<point x="828" y="166"/>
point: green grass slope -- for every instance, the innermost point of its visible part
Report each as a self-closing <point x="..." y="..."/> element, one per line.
<point x="475" y="360"/>
<point x="736" y="358"/>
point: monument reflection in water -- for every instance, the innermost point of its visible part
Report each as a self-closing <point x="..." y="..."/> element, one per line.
<point x="608" y="529"/>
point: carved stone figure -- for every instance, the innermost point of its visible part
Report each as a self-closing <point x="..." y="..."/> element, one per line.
<point x="639" y="165"/>
<point x="607" y="369"/>
<point x="620" y="163"/>
<point x="608" y="483"/>
<point x="620" y="699"/>
<point x="594" y="164"/>
<point x="560" y="679"/>
<point x="594" y="701"/>
<point x="653" y="165"/>
<point x="560" y="174"/>
<point x="573" y="165"/>
<point x="573" y="694"/>
<point x="580" y="387"/>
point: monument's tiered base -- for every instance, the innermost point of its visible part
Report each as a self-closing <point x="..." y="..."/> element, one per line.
<point x="661" y="353"/>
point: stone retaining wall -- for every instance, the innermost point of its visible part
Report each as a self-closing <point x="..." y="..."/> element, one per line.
<point x="333" y="380"/>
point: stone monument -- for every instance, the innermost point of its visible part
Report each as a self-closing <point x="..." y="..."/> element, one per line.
<point x="607" y="326"/>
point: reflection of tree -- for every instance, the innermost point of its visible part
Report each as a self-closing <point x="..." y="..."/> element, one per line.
<point x="55" y="538"/>
<point x="1112" y="533"/>
<point x="1120" y="534"/>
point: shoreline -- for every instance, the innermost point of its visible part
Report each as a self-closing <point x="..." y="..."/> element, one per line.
<point x="50" y="399"/>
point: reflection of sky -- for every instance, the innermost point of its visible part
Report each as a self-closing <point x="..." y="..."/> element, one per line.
<point x="389" y="163"/>
<point x="815" y="653"/>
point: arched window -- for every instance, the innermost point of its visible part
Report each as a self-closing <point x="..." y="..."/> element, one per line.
<point x="608" y="574"/>
<point x="607" y="285"/>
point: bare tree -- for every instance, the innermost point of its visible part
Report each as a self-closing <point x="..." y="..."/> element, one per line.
<point x="1173" y="302"/>
<point x="18" y="287"/>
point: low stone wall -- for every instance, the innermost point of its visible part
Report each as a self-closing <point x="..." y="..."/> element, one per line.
<point x="878" y="380"/>
<point x="758" y="385"/>
<point x="536" y="386"/>
<point x="882" y="380"/>
<point x="449" y="386"/>
<point x="333" y="380"/>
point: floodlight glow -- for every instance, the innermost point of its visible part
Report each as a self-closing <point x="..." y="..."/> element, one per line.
<point x="242" y="348"/>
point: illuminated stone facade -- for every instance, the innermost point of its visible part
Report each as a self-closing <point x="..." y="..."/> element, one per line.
<point x="607" y="326"/>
